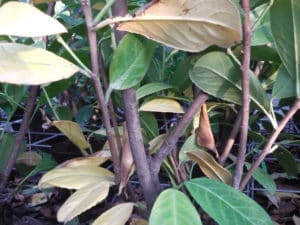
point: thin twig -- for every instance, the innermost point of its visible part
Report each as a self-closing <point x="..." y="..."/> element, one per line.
<point x="176" y="133"/>
<point x="21" y="135"/>
<point x="231" y="139"/>
<point x="267" y="149"/>
<point x="246" y="95"/>
<point x="92" y="37"/>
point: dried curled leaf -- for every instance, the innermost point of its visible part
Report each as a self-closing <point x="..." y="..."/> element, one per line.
<point x="205" y="136"/>
<point x="22" y="19"/>
<point x="210" y="167"/>
<point x="190" y="25"/>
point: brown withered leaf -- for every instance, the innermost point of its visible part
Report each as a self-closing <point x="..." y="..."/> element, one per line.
<point x="190" y="25"/>
<point x="210" y="167"/>
<point x="126" y="160"/>
<point x="205" y="136"/>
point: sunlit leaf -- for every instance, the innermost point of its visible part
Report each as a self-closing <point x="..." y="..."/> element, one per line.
<point x="210" y="167"/>
<point x="82" y="200"/>
<point x="22" y="64"/>
<point x="22" y="19"/>
<point x="226" y="205"/>
<point x="172" y="207"/>
<point x="84" y="161"/>
<point x="162" y="105"/>
<point x="73" y="131"/>
<point x="190" y="25"/>
<point x="29" y="158"/>
<point x="285" y="23"/>
<point x="117" y="215"/>
<point x="75" y="177"/>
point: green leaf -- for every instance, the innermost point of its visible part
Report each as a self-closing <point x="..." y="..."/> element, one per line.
<point x="287" y="161"/>
<point x="151" y="88"/>
<point x="149" y="126"/>
<point x="264" y="179"/>
<point x="172" y="207"/>
<point x="226" y="205"/>
<point x="284" y="86"/>
<point x="285" y="25"/>
<point x="189" y="145"/>
<point x="216" y="74"/>
<point x="130" y="63"/>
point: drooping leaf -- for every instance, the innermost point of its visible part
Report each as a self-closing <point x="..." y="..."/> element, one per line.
<point x="117" y="215"/>
<point x="130" y="63"/>
<point x="205" y="136"/>
<point x="75" y="177"/>
<point x="210" y="167"/>
<point x="151" y="88"/>
<point x="172" y="207"/>
<point x="216" y="74"/>
<point x="264" y="179"/>
<point x="284" y="86"/>
<point x="22" y="64"/>
<point x="156" y="143"/>
<point x="25" y="20"/>
<point x="73" y="131"/>
<point x="190" y="25"/>
<point x="126" y="160"/>
<point x="287" y="38"/>
<point x="163" y="105"/>
<point x="226" y="205"/>
<point x="189" y="145"/>
<point x="82" y="200"/>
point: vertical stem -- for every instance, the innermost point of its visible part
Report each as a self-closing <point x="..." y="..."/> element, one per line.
<point x="21" y="135"/>
<point x="246" y="95"/>
<point x="266" y="150"/>
<point x="149" y="183"/>
<point x="92" y="37"/>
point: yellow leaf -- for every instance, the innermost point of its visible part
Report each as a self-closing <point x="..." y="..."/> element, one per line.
<point x="156" y="143"/>
<point x="75" y="177"/>
<point x="190" y="25"/>
<point x="117" y="215"/>
<point x="162" y="105"/>
<point x="36" y="2"/>
<point x="73" y="131"/>
<point x="83" y="161"/>
<point x="22" y="19"/>
<point x="22" y="64"/>
<point x="82" y="200"/>
<point x="138" y="221"/>
<point x="29" y="158"/>
<point x="210" y="167"/>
